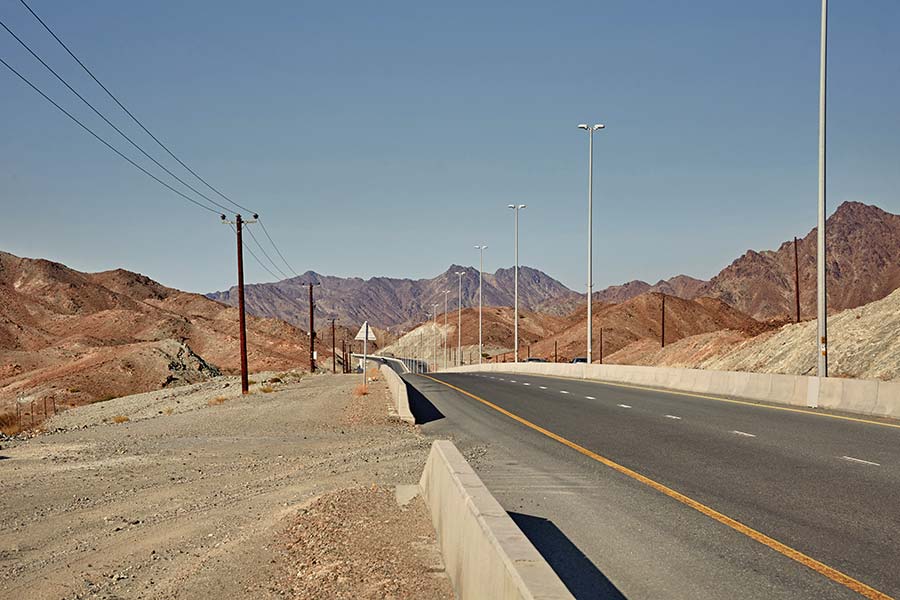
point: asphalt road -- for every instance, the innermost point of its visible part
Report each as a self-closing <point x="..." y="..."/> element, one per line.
<point x="828" y="488"/>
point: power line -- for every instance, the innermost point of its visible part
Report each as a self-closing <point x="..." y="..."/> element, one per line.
<point x="103" y="141"/>
<point x="266" y="254"/>
<point x="128" y="112"/>
<point x="108" y="122"/>
<point x="266" y="231"/>
<point x="156" y="139"/>
<point x="247" y="248"/>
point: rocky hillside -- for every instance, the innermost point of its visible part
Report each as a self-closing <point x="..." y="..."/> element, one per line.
<point x="81" y="337"/>
<point x="863" y="264"/>
<point x="863" y="248"/>
<point x="863" y="344"/>
<point x="640" y="319"/>
<point x="393" y="303"/>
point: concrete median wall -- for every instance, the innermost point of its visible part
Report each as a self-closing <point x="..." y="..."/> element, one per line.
<point x="860" y="396"/>
<point x="399" y="393"/>
<point x="486" y="555"/>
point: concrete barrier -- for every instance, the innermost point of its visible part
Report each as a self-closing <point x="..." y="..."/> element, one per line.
<point x="399" y="393"/>
<point x="860" y="396"/>
<point x="486" y="555"/>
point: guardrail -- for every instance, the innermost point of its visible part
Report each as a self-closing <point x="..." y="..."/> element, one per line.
<point x="861" y="396"/>
<point x="485" y="554"/>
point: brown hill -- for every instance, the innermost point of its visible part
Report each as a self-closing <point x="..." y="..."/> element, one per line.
<point x="639" y="319"/>
<point x="863" y="250"/>
<point x="863" y="264"/>
<point x="393" y="303"/>
<point x="81" y="337"/>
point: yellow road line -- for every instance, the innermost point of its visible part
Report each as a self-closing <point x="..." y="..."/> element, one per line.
<point x="717" y="399"/>
<point x="795" y="555"/>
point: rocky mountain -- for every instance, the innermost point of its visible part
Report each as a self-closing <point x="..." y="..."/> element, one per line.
<point x="82" y="337"/>
<point x="393" y="303"/>
<point x="863" y="252"/>
<point x="639" y="318"/>
<point x="863" y="265"/>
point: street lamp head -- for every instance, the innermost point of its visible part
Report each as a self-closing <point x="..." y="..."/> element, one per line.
<point x="599" y="126"/>
<point x="583" y="126"/>
<point x="523" y="206"/>
<point x="510" y="206"/>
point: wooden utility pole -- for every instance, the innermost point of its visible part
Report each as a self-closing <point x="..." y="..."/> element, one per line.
<point x="333" y="355"/>
<point x="662" y="336"/>
<point x="555" y="351"/>
<point x="312" y="332"/>
<point x="238" y="225"/>
<point x="797" y="279"/>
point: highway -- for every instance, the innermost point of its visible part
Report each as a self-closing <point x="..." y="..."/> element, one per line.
<point x="640" y="494"/>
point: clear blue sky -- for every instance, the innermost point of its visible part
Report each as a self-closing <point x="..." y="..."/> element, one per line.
<point x="387" y="138"/>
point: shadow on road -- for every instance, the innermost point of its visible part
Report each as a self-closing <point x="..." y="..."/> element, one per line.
<point x="422" y="408"/>
<point x="583" y="579"/>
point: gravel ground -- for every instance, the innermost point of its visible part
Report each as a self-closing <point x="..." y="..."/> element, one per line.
<point x="199" y="493"/>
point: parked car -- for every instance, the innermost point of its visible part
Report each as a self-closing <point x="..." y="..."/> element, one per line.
<point x="536" y="359"/>
<point x="579" y="359"/>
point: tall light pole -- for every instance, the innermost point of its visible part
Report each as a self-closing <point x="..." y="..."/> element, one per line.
<point x="516" y="208"/>
<point x="590" y="267"/>
<point x="435" y="345"/>
<point x="822" y="315"/>
<point x="444" y="334"/>
<point x="481" y="249"/>
<point x="459" y="320"/>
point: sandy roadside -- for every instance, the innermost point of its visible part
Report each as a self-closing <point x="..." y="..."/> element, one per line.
<point x="247" y="497"/>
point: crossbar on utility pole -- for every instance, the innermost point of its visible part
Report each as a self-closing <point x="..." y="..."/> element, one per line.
<point x="238" y="225"/>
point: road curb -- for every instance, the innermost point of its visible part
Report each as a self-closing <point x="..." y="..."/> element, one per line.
<point x="485" y="554"/>
<point x="399" y="393"/>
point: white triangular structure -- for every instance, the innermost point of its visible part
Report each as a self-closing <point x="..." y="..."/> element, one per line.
<point x="364" y="331"/>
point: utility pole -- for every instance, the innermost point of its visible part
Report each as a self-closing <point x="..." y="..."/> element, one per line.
<point x="459" y="274"/>
<point x="590" y="225"/>
<point x="312" y="331"/>
<point x="481" y="249"/>
<point x="662" y="336"/>
<point x="516" y="208"/>
<point x="238" y="225"/>
<point x="797" y="279"/>
<point x="434" y="308"/>
<point x="333" y="355"/>
<point x="822" y="297"/>
<point x="343" y="356"/>
<point x="555" y="351"/>
<point x="444" y="335"/>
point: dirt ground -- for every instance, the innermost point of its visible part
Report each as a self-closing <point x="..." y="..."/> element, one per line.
<point x="274" y="495"/>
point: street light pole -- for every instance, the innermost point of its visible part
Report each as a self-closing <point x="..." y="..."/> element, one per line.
<point x="459" y="274"/>
<point x="516" y="208"/>
<point x="435" y="344"/>
<point x="444" y="333"/>
<point x="590" y="283"/>
<point x="822" y="314"/>
<point x="481" y="249"/>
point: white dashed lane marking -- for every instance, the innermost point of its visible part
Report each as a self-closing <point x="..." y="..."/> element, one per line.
<point x="543" y="387"/>
<point x="590" y="397"/>
<point x="563" y="392"/>
<point x="861" y="461"/>
<point x="673" y="417"/>
<point x="623" y="406"/>
<point x="526" y="384"/>
<point x="743" y="433"/>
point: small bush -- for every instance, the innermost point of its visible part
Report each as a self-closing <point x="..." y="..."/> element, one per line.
<point x="216" y="401"/>
<point x="251" y="382"/>
<point x="276" y="380"/>
<point x="360" y="390"/>
<point x="267" y="389"/>
<point x="168" y="410"/>
<point x="120" y="419"/>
